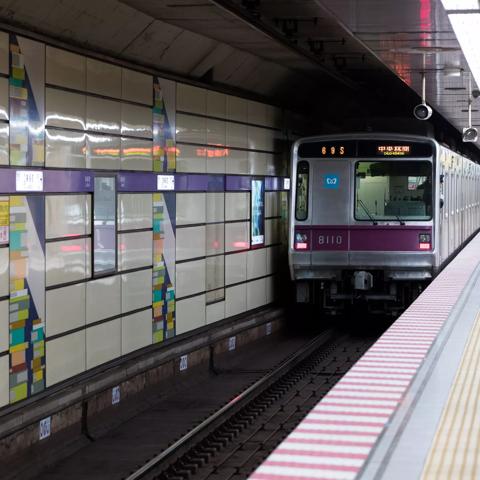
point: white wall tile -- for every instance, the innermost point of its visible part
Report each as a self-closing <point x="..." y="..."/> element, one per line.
<point x="257" y="163"/>
<point x="4" y="381"/>
<point x="4" y="144"/>
<point x="65" y="109"/>
<point x="237" y="162"/>
<point x="273" y="257"/>
<point x="216" y="164"/>
<point x="215" y="272"/>
<point x="4" y="272"/>
<point x="190" y="278"/>
<point x="66" y="215"/>
<point x="65" y="69"/>
<point x="103" y="115"/>
<point x="257" y="113"/>
<point x="137" y="86"/>
<point x="4" y="98"/>
<point x="235" y="300"/>
<point x="235" y="268"/>
<point x="191" y="99"/>
<point x="237" y="206"/>
<point x="135" y="211"/>
<point x="104" y="342"/>
<point x="65" y="309"/>
<point x="65" y="357"/>
<point x="215" y="312"/>
<point x="103" y="298"/>
<point x="191" y="129"/>
<point x="216" y="104"/>
<point x="135" y="250"/>
<point x="272" y="231"/>
<point x="137" y="121"/>
<point x="190" y="243"/>
<point x="215" y="239"/>
<point x="136" y="331"/>
<point x="67" y="261"/>
<point x="236" y="135"/>
<point x="272" y="204"/>
<point x="215" y="207"/>
<point x="136" y="154"/>
<point x="103" y="151"/>
<point x="65" y="149"/>
<point x="237" y="236"/>
<point x="237" y="109"/>
<point x="104" y="78"/>
<point x="136" y="290"/>
<point x="216" y="130"/>
<point x="214" y="296"/>
<point x="191" y="159"/>
<point x="190" y="208"/>
<point x="4" y="325"/>
<point x="256" y="294"/>
<point x="190" y="314"/>
<point x="256" y="263"/>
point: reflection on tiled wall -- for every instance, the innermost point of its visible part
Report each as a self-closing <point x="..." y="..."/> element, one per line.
<point x="183" y="260"/>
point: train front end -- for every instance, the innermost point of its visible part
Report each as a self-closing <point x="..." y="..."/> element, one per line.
<point x="362" y="221"/>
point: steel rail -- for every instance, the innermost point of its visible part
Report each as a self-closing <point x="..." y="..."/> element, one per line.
<point x="236" y="403"/>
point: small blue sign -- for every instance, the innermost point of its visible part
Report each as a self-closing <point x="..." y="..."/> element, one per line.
<point x="331" y="181"/>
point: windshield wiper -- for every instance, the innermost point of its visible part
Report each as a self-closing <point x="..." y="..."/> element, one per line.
<point x="370" y="216"/>
<point x="401" y="221"/>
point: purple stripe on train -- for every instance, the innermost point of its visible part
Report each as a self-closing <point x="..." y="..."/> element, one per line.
<point x="387" y="238"/>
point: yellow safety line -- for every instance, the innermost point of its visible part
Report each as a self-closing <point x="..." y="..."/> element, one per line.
<point x="454" y="453"/>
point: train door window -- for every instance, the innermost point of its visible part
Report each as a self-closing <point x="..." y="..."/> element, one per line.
<point x="104" y="225"/>
<point x="301" y="196"/>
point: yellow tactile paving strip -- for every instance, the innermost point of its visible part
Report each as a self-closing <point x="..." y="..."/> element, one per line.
<point x="455" y="452"/>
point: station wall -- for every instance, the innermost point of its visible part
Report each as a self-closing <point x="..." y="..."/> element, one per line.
<point x="132" y="209"/>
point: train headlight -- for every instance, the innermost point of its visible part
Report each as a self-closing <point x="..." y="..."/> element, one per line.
<point x="301" y="241"/>
<point x="424" y="241"/>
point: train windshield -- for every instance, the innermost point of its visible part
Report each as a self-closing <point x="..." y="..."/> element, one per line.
<point x="393" y="190"/>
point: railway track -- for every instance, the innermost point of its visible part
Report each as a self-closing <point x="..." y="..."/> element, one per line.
<point x="230" y="443"/>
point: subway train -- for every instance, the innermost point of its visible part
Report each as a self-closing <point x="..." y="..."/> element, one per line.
<point x="374" y="217"/>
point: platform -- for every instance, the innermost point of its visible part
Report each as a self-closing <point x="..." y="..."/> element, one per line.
<point x="409" y="408"/>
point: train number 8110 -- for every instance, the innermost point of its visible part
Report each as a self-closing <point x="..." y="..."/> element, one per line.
<point x="330" y="239"/>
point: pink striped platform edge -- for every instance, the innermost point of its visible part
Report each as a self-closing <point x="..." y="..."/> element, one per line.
<point x="335" y="439"/>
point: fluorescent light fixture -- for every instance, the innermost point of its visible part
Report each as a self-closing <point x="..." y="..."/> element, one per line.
<point x="461" y="4"/>
<point x="466" y="28"/>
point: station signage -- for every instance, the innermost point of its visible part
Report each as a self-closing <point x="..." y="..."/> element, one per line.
<point x="29" y="181"/>
<point x="165" y="182"/>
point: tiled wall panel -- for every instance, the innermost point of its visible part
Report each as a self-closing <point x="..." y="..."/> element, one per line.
<point x="65" y="69"/>
<point x="104" y="342"/>
<point x="65" y="357"/>
<point x="136" y="331"/>
<point x="190" y="314"/>
<point x="190" y="278"/>
<point x="102" y="116"/>
<point x="65" y="309"/>
<point x="104" y="298"/>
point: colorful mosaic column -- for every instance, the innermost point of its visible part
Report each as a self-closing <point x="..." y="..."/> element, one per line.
<point x="164" y="150"/>
<point x="27" y="102"/>
<point x="27" y="291"/>
<point x="163" y="267"/>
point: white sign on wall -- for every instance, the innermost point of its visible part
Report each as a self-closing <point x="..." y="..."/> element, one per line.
<point x="45" y="428"/>
<point x="232" y="343"/>
<point x="183" y="362"/>
<point x="165" y="182"/>
<point x="286" y="184"/>
<point x="268" y="328"/>
<point x="115" y="395"/>
<point x="29" y="181"/>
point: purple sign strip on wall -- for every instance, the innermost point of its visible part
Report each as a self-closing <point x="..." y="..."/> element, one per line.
<point x="73" y="181"/>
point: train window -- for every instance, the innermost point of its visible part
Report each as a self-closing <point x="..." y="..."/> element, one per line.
<point x="301" y="196"/>
<point x="393" y="190"/>
<point x="104" y="226"/>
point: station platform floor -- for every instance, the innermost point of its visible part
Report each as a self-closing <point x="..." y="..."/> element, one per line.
<point x="410" y="407"/>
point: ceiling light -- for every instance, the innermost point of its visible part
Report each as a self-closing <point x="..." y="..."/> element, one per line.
<point x="466" y="28"/>
<point x="460" y="4"/>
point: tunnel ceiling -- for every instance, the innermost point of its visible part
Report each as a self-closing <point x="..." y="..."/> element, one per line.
<point x="294" y="52"/>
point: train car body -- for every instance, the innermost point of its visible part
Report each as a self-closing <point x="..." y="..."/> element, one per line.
<point x="375" y="216"/>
